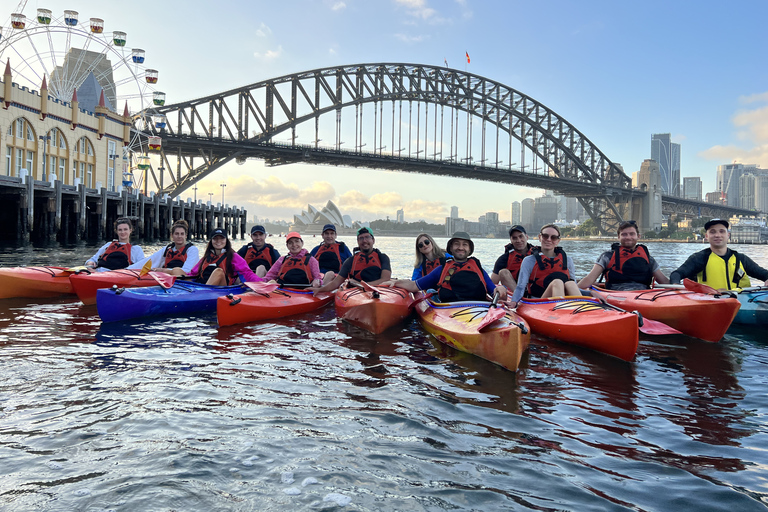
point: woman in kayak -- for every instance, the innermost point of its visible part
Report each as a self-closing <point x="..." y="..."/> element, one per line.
<point x="220" y="265"/>
<point x="429" y="256"/>
<point x="177" y="258"/>
<point x="297" y="267"/>
<point x="117" y="253"/>
<point x="547" y="273"/>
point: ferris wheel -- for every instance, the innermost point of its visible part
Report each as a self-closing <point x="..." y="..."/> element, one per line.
<point x="67" y="50"/>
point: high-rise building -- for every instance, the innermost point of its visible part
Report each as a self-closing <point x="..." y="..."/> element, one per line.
<point x="761" y="193"/>
<point x="526" y="213"/>
<point x="692" y="188"/>
<point x="544" y="211"/>
<point x="729" y="182"/>
<point x="454" y="212"/>
<point x="667" y="154"/>
<point x="400" y="216"/>
<point x="515" y="217"/>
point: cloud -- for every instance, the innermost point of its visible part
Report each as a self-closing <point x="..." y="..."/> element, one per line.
<point x="269" y="54"/>
<point x="338" y="6"/>
<point x="263" y="30"/>
<point x="411" y="39"/>
<point x="752" y="129"/>
<point x="753" y="98"/>
<point x="417" y="8"/>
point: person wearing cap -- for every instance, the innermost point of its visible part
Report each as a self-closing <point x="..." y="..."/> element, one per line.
<point x="461" y="278"/>
<point x="220" y="265"/>
<point x="297" y="267"/>
<point x="259" y="255"/>
<point x="330" y="254"/>
<point x="718" y="266"/>
<point x="548" y="272"/>
<point x="368" y="264"/>
<point x="429" y="256"/>
<point x="507" y="266"/>
<point x="628" y="265"/>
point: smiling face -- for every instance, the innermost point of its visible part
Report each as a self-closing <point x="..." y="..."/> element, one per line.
<point x="519" y="240"/>
<point x="258" y="239"/>
<point x="294" y="245"/>
<point x="628" y="237"/>
<point x="365" y="242"/>
<point x="717" y="236"/>
<point x="549" y="238"/>
<point x="426" y="246"/>
<point x="460" y="249"/>
<point x="179" y="236"/>
<point x="329" y="236"/>
<point x="219" y="242"/>
<point x="123" y="233"/>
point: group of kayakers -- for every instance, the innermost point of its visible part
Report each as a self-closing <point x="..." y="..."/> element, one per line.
<point x="454" y="274"/>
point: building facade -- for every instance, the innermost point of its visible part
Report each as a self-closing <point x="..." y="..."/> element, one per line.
<point x="692" y="188"/>
<point x="667" y="154"/>
<point x="515" y="213"/>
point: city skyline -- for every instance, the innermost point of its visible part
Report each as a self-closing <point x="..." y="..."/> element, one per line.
<point x="609" y="94"/>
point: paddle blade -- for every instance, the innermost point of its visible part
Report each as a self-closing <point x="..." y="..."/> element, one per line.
<point x="262" y="287"/>
<point x="657" y="328"/>
<point x="146" y="268"/>
<point x="369" y="288"/>
<point x="697" y="287"/>
<point x="77" y="269"/>
<point x="163" y="279"/>
<point x="494" y="313"/>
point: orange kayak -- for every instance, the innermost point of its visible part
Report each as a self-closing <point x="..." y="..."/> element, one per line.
<point x="585" y="322"/>
<point x="34" y="282"/>
<point x="696" y="314"/>
<point x="86" y="284"/>
<point x="456" y="324"/>
<point x="374" y="309"/>
<point x="257" y="307"/>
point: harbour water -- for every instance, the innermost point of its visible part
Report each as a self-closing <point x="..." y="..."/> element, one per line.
<point x="306" y="413"/>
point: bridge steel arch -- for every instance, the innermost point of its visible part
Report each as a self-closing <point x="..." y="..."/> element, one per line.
<point x="203" y="134"/>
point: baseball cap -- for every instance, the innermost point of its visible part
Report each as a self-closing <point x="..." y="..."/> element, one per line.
<point x="517" y="227"/>
<point x="364" y="231"/>
<point x="716" y="221"/>
<point x="218" y="232"/>
<point x="329" y="226"/>
<point x="258" y="229"/>
<point x="292" y="234"/>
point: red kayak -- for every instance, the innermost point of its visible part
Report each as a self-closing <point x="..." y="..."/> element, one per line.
<point x="374" y="309"/>
<point x="696" y="314"/>
<point x="86" y="284"/>
<point x="258" y="306"/>
<point x="585" y="322"/>
<point x="34" y="282"/>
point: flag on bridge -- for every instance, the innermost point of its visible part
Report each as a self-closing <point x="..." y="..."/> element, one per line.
<point x="446" y="61"/>
<point x="467" y="57"/>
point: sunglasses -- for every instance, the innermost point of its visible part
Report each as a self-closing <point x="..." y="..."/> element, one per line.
<point x="545" y="236"/>
<point x="423" y="244"/>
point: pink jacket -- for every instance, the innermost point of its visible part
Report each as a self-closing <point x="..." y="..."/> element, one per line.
<point x="239" y="264"/>
<point x="314" y="266"/>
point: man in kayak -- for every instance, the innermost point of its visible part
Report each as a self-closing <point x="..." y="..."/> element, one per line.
<point x="507" y="266"/>
<point x="368" y="264"/>
<point x="718" y="266"/>
<point x="330" y="254"/>
<point x="259" y="255"/>
<point x="628" y="265"/>
<point x="461" y="278"/>
<point x="297" y="267"/>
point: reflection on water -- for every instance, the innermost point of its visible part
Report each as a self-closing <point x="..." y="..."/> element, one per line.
<point x="309" y="413"/>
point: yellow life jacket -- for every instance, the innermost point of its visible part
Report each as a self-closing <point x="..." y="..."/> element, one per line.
<point x="720" y="273"/>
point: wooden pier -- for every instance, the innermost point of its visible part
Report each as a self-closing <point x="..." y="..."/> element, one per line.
<point x="41" y="211"/>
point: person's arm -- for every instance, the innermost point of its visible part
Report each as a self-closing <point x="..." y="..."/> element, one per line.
<point x="314" y="269"/>
<point x="695" y="263"/>
<point x="753" y="269"/>
<point x="590" y="278"/>
<point x="243" y="270"/>
<point x="346" y="267"/>
<point x="492" y="288"/>
<point x="193" y="258"/>
<point x="416" y="273"/>
<point x="156" y="258"/>
<point x="93" y="260"/>
<point x="572" y="269"/>
<point x="522" y="279"/>
<point x="501" y="263"/>
<point x="137" y="253"/>
<point x="274" y="270"/>
<point x="430" y="280"/>
<point x="386" y="270"/>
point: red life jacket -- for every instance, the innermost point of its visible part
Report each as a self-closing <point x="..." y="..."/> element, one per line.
<point x="429" y="266"/>
<point x="116" y="256"/>
<point x="329" y="256"/>
<point x="256" y="257"/>
<point x="211" y="262"/>
<point x="295" y="270"/>
<point x="515" y="259"/>
<point x="174" y="258"/>
<point x="546" y="271"/>
<point x="462" y="281"/>
<point x="629" y="266"/>
<point x="366" y="267"/>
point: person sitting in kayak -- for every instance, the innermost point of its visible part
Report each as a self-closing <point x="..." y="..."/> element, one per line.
<point x="628" y="265"/>
<point x="330" y="254"/>
<point x="259" y="255"/>
<point x="461" y="278"/>
<point x="118" y="253"/>
<point x="220" y="265"/>
<point x="507" y="266"/>
<point x="297" y="267"/>
<point x="176" y="258"/>
<point x="429" y="256"/>
<point x="718" y="266"/>
<point x="368" y="264"/>
<point x="548" y="272"/>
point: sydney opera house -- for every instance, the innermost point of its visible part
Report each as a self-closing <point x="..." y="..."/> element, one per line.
<point x="311" y="221"/>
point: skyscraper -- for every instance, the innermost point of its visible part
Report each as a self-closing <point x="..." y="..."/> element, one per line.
<point x="729" y="181"/>
<point x="667" y="154"/>
<point x="400" y="216"/>
<point x="692" y="188"/>
<point x="526" y="213"/>
<point x="454" y="212"/>
<point x="515" y="218"/>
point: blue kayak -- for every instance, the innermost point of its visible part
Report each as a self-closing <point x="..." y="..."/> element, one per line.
<point x="183" y="298"/>
<point x="754" y="307"/>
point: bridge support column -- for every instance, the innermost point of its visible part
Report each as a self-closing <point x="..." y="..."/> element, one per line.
<point x="647" y="211"/>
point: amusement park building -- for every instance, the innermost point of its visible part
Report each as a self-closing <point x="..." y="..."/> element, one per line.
<point x="311" y="221"/>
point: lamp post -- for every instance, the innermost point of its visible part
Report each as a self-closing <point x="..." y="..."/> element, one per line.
<point x="222" y="194"/>
<point x="210" y="196"/>
<point x="195" y="189"/>
<point x="45" y="139"/>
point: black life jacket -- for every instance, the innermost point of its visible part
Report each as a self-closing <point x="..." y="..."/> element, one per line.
<point x="295" y="270"/>
<point x="628" y="266"/>
<point x="257" y="257"/>
<point x="329" y="257"/>
<point x="429" y="266"/>
<point x="546" y="271"/>
<point x="515" y="259"/>
<point x="462" y="281"/>
<point x="366" y="267"/>
<point x="211" y="262"/>
<point x="174" y="258"/>
<point x="116" y="256"/>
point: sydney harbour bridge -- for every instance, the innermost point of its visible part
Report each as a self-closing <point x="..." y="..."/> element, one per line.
<point x="402" y="117"/>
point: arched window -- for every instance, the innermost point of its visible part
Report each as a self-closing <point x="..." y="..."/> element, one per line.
<point x="57" y="156"/>
<point x="85" y="162"/>
<point x="21" y="149"/>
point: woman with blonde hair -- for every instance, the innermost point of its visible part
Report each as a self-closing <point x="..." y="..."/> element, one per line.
<point x="429" y="256"/>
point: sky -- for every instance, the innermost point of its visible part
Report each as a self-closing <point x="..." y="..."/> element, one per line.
<point x="617" y="71"/>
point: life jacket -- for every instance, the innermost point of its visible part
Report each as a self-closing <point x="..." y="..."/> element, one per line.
<point x="515" y="259"/>
<point x="329" y="256"/>
<point x="116" y="256"/>
<point x="366" y="267"/>
<point x="174" y="258"/>
<point x="629" y="266"/>
<point x="462" y="281"/>
<point x="213" y="261"/>
<point x="546" y="271"/>
<point x="295" y="270"/>
<point x="720" y="273"/>
<point x="257" y="257"/>
<point x="429" y="266"/>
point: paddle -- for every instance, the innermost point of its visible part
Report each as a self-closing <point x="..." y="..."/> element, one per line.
<point x="163" y="279"/>
<point x="495" y="312"/>
<point x="262" y="287"/>
<point x="369" y="288"/>
<point x="146" y="268"/>
<point x="698" y="287"/>
<point x="77" y="270"/>
<point x="646" y="325"/>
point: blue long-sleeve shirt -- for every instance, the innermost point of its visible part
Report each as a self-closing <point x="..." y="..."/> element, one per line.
<point x="432" y="279"/>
